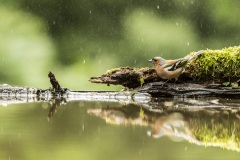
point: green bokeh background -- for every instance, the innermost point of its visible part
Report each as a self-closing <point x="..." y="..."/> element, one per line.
<point x="77" y="39"/>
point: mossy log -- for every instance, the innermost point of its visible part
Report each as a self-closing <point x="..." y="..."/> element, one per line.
<point x="212" y="71"/>
<point x="127" y="77"/>
<point x="216" y="66"/>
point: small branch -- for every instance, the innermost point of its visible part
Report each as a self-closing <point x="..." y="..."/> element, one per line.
<point x="56" y="86"/>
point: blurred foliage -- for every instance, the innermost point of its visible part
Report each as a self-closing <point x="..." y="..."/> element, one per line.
<point x="77" y="39"/>
<point x="26" y="51"/>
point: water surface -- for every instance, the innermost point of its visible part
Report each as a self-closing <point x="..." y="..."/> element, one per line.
<point x="161" y="129"/>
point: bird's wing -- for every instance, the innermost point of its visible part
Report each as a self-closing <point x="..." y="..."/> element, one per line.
<point x="178" y="64"/>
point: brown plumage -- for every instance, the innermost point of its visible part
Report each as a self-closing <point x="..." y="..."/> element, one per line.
<point x="171" y="69"/>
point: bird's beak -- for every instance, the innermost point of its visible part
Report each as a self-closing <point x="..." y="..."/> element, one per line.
<point x="150" y="60"/>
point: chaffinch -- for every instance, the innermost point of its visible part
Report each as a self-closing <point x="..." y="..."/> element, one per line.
<point x="169" y="69"/>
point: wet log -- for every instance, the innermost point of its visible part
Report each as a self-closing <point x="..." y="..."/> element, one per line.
<point x="213" y="73"/>
<point x="127" y="77"/>
<point x="166" y="89"/>
<point x="145" y="80"/>
<point x="20" y="94"/>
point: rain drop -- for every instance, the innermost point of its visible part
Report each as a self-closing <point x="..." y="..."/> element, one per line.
<point x="140" y="152"/>
<point x="158" y="6"/>
<point x="44" y="105"/>
<point x="83" y="127"/>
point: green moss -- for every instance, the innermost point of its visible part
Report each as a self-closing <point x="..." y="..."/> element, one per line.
<point x="113" y="70"/>
<point x="141" y="80"/>
<point x="141" y="113"/>
<point x="217" y="64"/>
<point x="230" y="84"/>
<point x="219" y="132"/>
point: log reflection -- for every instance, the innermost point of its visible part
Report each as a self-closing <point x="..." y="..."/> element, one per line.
<point x="205" y="126"/>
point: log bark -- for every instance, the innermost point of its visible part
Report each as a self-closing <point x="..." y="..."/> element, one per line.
<point x="131" y="78"/>
<point x="127" y="77"/>
<point x="213" y="73"/>
<point x="157" y="89"/>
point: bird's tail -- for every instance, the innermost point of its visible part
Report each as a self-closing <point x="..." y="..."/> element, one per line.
<point x="190" y="57"/>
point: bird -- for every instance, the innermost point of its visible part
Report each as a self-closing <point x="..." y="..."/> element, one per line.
<point x="171" y="69"/>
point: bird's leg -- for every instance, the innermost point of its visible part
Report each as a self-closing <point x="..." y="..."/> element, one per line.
<point x="165" y="82"/>
<point x="176" y="79"/>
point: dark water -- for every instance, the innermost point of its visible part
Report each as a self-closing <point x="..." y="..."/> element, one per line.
<point x="162" y="129"/>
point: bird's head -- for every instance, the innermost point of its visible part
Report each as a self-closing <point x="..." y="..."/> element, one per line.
<point x="157" y="61"/>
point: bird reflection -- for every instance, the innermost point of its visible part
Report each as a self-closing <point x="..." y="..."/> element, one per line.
<point x="173" y="126"/>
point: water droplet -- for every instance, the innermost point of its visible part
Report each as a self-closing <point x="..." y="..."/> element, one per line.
<point x="158" y="6"/>
<point x="45" y="105"/>
<point x="100" y="61"/>
<point x="177" y="23"/>
<point x="81" y="104"/>
<point x="168" y="104"/>
<point x="83" y="127"/>
<point x="188" y="43"/>
<point x="140" y="152"/>
<point x="90" y="11"/>
<point x="54" y="22"/>
<point x="84" y="61"/>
